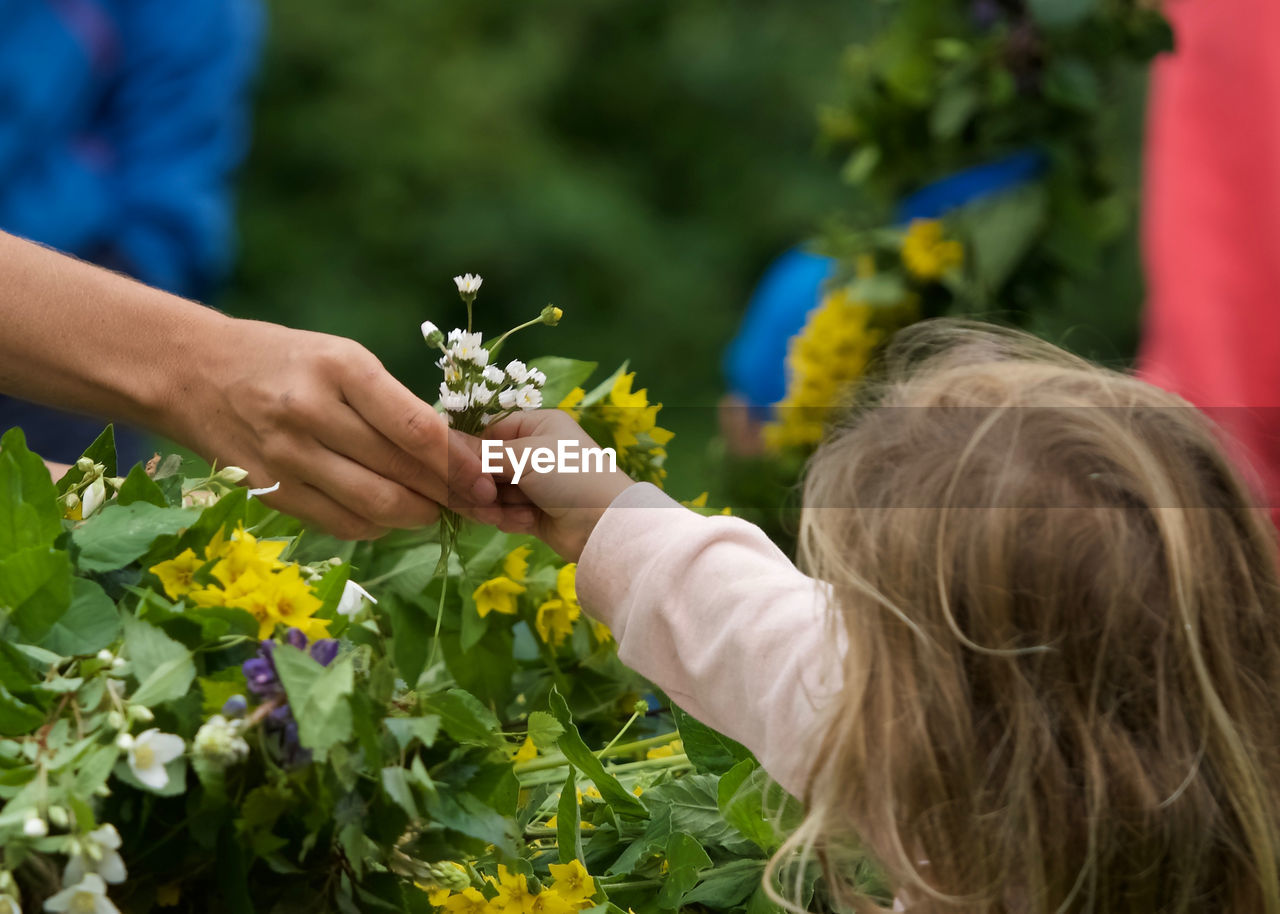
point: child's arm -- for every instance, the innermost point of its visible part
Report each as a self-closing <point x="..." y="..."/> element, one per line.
<point x="712" y="611"/>
<point x="706" y="607"/>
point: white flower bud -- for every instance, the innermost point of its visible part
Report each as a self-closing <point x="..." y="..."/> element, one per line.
<point x="219" y="742"/>
<point x="106" y="656"/>
<point x="58" y="816"/>
<point x="116" y="720"/>
<point x="94" y="496"/>
<point x="432" y="334"/>
<point x="141" y="713"/>
<point x="84" y="464"/>
<point x="124" y="742"/>
<point x="231" y="475"/>
<point x="117" y="663"/>
<point x="35" y="827"/>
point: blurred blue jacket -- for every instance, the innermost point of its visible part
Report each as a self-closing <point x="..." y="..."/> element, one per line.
<point x="121" y="122"/>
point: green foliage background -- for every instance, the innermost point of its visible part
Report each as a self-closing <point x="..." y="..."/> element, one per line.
<point x="638" y="163"/>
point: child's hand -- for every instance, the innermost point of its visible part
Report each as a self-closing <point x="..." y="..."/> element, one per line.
<point x="560" y="505"/>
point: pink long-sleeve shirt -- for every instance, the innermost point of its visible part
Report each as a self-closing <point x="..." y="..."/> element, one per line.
<point x="712" y="612"/>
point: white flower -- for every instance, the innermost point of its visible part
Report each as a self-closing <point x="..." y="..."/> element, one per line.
<point x="507" y="399"/>
<point x="467" y="347"/>
<point x="353" y="597"/>
<point x="452" y="371"/>
<point x="432" y="334"/>
<point x="149" y="752"/>
<point x="94" y="496"/>
<point x="452" y="400"/>
<point x="468" y="284"/>
<point x="481" y="395"/>
<point x="97" y="852"/>
<point x="264" y="491"/>
<point x="517" y="371"/>
<point x="528" y="397"/>
<point x="219" y="741"/>
<point x="88" y="896"/>
<point x="106" y="656"/>
<point x="493" y="374"/>
<point x="536" y="377"/>
<point x="35" y="827"/>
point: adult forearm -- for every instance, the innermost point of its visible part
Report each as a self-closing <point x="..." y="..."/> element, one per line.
<point x="82" y="338"/>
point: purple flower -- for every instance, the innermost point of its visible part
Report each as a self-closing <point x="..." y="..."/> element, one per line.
<point x="324" y="650"/>
<point x="296" y="638"/>
<point x="235" y="707"/>
<point x="260" y="673"/>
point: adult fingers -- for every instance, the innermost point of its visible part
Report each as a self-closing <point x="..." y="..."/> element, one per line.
<point x="375" y="498"/>
<point x="345" y="432"/>
<point x="413" y="425"/>
<point x="308" y="503"/>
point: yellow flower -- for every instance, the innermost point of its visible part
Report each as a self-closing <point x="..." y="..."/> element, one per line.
<point x="549" y="902"/>
<point x="436" y="897"/>
<point x="468" y="901"/>
<point x="527" y="751"/>
<point x="672" y="748"/>
<point x="567" y="583"/>
<point x="497" y="595"/>
<point x="555" y="621"/>
<point x="178" y="574"/>
<point x="516" y="565"/>
<point x="293" y="604"/>
<point x="926" y="253"/>
<point x="513" y="895"/>
<point x="572" y="882"/>
<point x="570" y="403"/>
<point x="601" y="632"/>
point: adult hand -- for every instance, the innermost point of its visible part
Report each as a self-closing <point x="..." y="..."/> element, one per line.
<point x="560" y="508"/>
<point x="353" y="449"/>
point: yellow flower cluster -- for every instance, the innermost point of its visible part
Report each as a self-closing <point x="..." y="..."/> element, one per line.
<point x="572" y="889"/>
<point x="556" y="615"/>
<point x="828" y="355"/>
<point x="926" y="252"/>
<point x="247" y="574"/>
<point x="641" y="444"/>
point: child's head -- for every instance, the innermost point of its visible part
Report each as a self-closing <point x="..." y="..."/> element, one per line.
<point x="1063" y="642"/>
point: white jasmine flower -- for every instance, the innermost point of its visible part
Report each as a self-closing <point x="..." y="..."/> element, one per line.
<point x="528" y="397"/>
<point x="517" y="371"/>
<point x="468" y="284"/>
<point x="35" y="827"/>
<point x="536" y="377"/>
<point x="93" y="498"/>
<point x="467" y="347"/>
<point x="452" y="400"/>
<point x="507" y="399"/>
<point x="88" y="896"/>
<point x="149" y="752"/>
<point x="353" y="597"/>
<point x="481" y="395"/>
<point x="219" y="741"/>
<point x="97" y="852"/>
<point x="493" y="374"/>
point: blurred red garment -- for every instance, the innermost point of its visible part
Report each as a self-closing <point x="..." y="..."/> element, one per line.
<point x="1212" y="223"/>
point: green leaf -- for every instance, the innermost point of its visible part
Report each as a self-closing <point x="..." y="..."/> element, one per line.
<point x="405" y="730"/>
<point x="467" y="720"/>
<point x="563" y="375"/>
<point x="329" y="589"/>
<point x="35" y="587"/>
<point x="167" y="682"/>
<point x="395" y="784"/>
<point x="685" y="860"/>
<point x="139" y="487"/>
<point x="464" y="813"/>
<point x="411" y="630"/>
<point x="569" y="821"/>
<point x="740" y="796"/>
<point x="602" y="390"/>
<point x="544" y="730"/>
<point x="575" y="750"/>
<point x="29" y="514"/>
<point x="474" y="626"/>
<point x="692" y="805"/>
<point x="728" y="885"/>
<point x="17" y="717"/>
<point x="147" y="648"/>
<point x="119" y="534"/>
<point x="955" y="108"/>
<point x="319" y="697"/>
<point x="1001" y="230"/>
<point x="707" y="749"/>
<point x="1071" y="82"/>
<point x="1055" y="14"/>
<point x="16" y="673"/>
<point x="90" y="624"/>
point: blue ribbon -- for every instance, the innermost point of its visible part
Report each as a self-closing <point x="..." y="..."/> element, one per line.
<point x="933" y="201"/>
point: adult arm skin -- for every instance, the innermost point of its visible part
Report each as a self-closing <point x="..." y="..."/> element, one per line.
<point x="353" y="450"/>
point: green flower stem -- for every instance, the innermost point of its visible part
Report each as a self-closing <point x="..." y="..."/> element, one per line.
<point x="625" y="727"/>
<point x="493" y="347"/>
<point x="559" y="761"/>
<point x="672" y="762"/>
<point x="444" y="588"/>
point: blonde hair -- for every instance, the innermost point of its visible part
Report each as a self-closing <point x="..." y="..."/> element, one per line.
<point x="1063" y="650"/>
